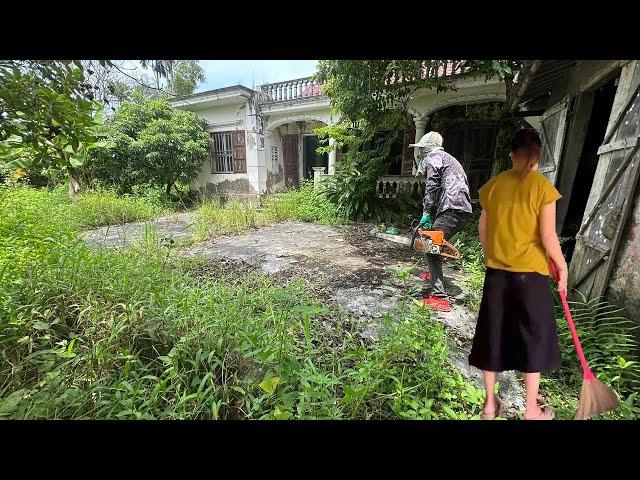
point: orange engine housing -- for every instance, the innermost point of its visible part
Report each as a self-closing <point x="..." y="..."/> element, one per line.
<point x="437" y="236"/>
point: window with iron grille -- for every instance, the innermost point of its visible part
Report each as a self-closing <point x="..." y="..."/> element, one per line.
<point x="228" y="152"/>
<point x="274" y="158"/>
<point x="221" y="152"/>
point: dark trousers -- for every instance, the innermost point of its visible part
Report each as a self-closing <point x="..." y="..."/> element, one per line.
<point x="450" y="222"/>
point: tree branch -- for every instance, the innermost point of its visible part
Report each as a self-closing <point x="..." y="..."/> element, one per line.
<point x="143" y="84"/>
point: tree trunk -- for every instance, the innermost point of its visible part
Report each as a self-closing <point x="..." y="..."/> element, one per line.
<point x="74" y="185"/>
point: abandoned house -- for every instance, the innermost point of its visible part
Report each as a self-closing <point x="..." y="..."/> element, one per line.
<point x="589" y="119"/>
<point x="264" y="139"/>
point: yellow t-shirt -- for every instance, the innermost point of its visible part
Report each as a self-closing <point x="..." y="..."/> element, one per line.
<point x="513" y="208"/>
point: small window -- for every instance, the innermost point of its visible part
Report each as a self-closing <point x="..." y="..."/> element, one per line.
<point x="221" y="153"/>
<point x="275" y="161"/>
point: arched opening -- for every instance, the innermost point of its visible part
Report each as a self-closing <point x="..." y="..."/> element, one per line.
<point x="298" y="142"/>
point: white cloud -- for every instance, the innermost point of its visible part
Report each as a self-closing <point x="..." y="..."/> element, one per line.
<point x="225" y="73"/>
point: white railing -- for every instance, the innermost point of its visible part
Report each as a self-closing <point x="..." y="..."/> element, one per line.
<point x="290" y="90"/>
<point x="391" y="185"/>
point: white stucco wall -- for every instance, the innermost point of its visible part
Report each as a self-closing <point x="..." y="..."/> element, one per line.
<point x="275" y="170"/>
<point x="471" y="91"/>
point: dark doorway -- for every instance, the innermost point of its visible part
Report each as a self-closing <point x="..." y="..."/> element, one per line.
<point x="587" y="164"/>
<point x="473" y="145"/>
<point x="311" y="158"/>
<point x="290" y="160"/>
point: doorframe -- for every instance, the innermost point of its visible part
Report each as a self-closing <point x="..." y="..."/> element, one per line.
<point x="296" y="182"/>
<point x="590" y="87"/>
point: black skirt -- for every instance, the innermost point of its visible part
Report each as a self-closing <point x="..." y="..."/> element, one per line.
<point x="516" y="327"/>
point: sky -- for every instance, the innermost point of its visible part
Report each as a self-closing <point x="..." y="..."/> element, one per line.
<point x="225" y="73"/>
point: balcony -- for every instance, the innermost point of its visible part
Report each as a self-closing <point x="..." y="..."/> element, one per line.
<point x="290" y="90"/>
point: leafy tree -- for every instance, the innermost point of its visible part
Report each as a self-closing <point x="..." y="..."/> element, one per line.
<point x="188" y="74"/>
<point x="372" y="96"/>
<point x="183" y="76"/>
<point x="151" y="143"/>
<point x="49" y="119"/>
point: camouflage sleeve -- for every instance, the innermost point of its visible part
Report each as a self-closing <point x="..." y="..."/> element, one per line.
<point x="434" y="178"/>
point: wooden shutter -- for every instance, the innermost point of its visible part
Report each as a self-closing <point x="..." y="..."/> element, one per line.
<point x="612" y="191"/>
<point x="552" y="133"/>
<point x="239" y="152"/>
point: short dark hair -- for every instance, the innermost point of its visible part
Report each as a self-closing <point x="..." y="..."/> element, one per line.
<point x="525" y="137"/>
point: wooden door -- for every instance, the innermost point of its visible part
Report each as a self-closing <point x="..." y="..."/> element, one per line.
<point x="239" y="152"/>
<point x="612" y="191"/>
<point x="290" y="160"/>
<point x="479" y="158"/>
<point x="552" y="133"/>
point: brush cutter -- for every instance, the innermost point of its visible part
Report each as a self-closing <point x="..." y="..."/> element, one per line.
<point x="433" y="242"/>
<point x="595" y="396"/>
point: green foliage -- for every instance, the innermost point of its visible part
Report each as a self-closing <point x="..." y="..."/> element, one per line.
<point x="364" y="161"/>
<point x="609" y="343"/>
<point x="372" y="96"/>
<point x="304" y="204"/>
<point x="140" y="334"/>
<point x="49" y="118"/>
<point x="188" y="74"/>
<point x="234" y="216"/>
<point x="151" y="144"/>
<point x="35" y="223"/>
<point x="608" y="340"/>
<point x="468" y="243"/>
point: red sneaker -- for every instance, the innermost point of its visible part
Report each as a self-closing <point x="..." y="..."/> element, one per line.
<point x="438" y="304"/>
<point x="425" y="276"/>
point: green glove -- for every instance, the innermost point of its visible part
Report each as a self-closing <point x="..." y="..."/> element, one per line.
<point x="425" y="221"/>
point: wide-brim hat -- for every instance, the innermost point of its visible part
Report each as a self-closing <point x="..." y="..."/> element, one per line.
<point x="429" y="140"/>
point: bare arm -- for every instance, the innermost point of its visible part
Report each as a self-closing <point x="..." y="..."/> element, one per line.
<point x="482" y="231"/>
<point x="551" y="243"/>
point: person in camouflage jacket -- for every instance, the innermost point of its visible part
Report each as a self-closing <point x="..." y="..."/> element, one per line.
<point x="446" y="197"/>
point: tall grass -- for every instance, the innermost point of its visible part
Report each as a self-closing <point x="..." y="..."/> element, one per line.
<point x="141" y="334"/>
<point x="235" y="216"/>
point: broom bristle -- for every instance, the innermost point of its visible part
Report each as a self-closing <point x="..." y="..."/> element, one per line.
<point x="595" y="398"/>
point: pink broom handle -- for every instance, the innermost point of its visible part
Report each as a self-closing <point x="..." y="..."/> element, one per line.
<point x="587" y="374"/>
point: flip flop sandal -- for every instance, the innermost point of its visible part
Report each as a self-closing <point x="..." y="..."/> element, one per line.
<point x="547" y="414"/>
<point x="496" y="413"/>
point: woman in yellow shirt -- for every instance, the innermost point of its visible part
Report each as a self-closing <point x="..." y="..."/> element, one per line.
<point x="516" y="327"/>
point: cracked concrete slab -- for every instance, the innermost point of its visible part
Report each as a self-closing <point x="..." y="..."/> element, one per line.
<point x="178" y="225"/>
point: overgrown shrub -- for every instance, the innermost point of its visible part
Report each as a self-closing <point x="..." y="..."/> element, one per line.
<point x="150" y="143"/>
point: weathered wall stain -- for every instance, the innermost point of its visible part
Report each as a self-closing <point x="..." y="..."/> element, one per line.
<point x="274" y="178"/>
<point x="624" y="285"/>
<point x="240" y="186"/>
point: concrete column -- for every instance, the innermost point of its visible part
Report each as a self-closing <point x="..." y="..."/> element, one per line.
<point x="318" y="173"/>
<point x="421" y="125"/>
<point x="332" y="157"/>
